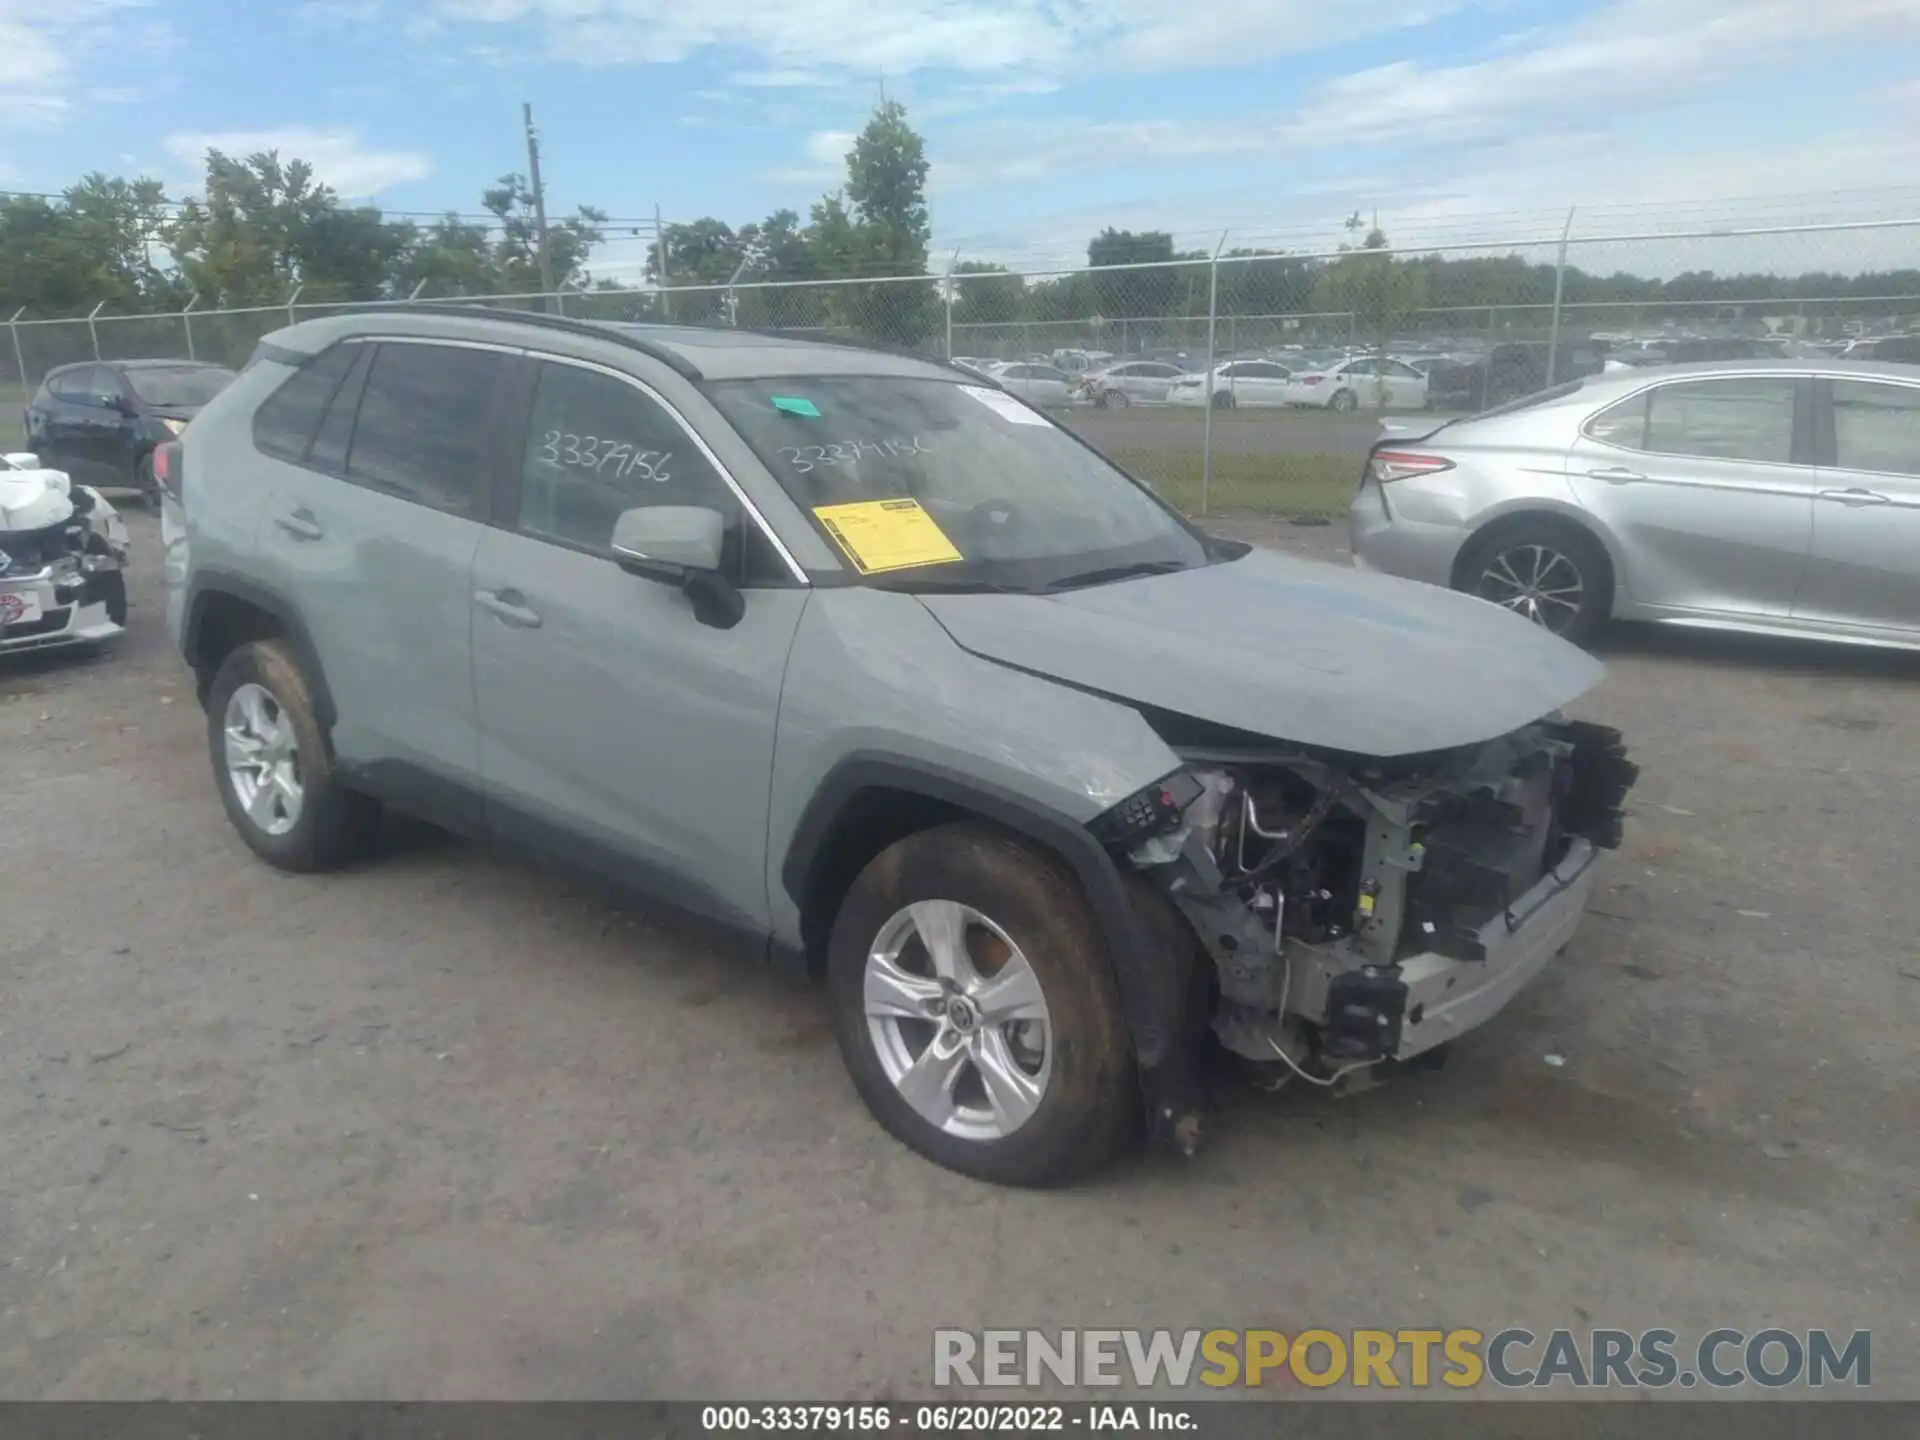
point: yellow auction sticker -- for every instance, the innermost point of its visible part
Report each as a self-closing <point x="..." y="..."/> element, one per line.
<point x="883" y="535"/>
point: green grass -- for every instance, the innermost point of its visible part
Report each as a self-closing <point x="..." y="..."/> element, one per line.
<point x="1286" y="486"/>
<point x="13" y="400"/>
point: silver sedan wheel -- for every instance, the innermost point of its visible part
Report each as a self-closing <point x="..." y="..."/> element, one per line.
<point x="958" y="1019"/>
<point x="263" y="759"/>
<point x="1536" y="581"/>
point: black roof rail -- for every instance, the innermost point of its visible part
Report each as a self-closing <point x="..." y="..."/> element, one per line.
<point x="595" y="329"/>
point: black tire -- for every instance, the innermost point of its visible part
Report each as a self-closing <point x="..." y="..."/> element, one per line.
<point x="1223" y="400"/>
<point x="1344" y="401"/>
<point x="1524" y="544"/>
<point x="1091" y="1101"/>
<point x="1117" y="399"/>
<point x="334" y="822"/>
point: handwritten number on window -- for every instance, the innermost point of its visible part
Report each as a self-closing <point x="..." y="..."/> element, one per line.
<point x="616" y="458"/>
<point x="805" y="458"/>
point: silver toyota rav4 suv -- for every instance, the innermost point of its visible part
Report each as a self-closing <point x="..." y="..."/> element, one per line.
<point x="862" y="659"/>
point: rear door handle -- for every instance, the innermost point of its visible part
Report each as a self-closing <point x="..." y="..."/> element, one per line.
<point x="300" y="524"/>
<point x="1856" y="496"/>
<point x="510" y="606"/>
<point x="1616" y="475"/>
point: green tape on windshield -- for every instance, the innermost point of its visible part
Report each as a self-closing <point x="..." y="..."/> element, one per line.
<point x="793" y="405"/>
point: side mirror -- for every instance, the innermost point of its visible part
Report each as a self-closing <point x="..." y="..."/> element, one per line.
<point x="681" y="545"/>
<point x="664" y="542"/>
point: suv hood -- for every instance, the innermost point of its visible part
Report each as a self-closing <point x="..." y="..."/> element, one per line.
<point x="1311" y="653"/>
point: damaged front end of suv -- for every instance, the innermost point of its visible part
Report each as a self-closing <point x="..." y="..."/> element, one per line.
<point x="1358" y="911"/>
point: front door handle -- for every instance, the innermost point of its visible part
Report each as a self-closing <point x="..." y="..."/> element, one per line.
<point x="1616" y="475"/>
<point x="300" y="524"/>
<point x="1856" y="496"/>
<point x="510" y="606"/>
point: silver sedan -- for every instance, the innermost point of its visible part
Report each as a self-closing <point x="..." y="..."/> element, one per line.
<point x="1780" y="497"/>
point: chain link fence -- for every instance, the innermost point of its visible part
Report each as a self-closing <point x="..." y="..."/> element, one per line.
<point x="1242" y="380"/>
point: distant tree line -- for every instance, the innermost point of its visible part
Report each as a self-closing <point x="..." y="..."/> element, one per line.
<point x="263" y="226"/>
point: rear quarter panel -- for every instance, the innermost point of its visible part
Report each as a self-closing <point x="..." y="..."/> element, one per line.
<point x="212" y="526"/>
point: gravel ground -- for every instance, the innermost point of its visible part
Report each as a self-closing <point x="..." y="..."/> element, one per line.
<point x="443" y="1126"/>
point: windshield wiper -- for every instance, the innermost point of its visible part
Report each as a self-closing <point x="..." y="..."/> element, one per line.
<point x="950" y="585"/>
<point x="1111" y="573"/>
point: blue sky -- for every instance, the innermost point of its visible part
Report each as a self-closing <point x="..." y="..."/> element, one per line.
<point x="1045" y="119"/>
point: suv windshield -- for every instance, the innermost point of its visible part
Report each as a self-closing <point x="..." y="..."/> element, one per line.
<point x="182" y="385"/>
<point x="953" y="485"/>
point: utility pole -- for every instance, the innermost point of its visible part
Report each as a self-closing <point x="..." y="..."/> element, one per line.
<point x="660" y="255"/>
<point x="539" y="201"/>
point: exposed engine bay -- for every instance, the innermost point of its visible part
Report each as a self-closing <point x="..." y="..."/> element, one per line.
<point x="63" y="548"/>
<point x="1364" y="910"/>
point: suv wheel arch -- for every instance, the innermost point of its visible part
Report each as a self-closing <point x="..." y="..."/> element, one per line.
<point x="224" y="612"/>
<point x="912" y="795"/>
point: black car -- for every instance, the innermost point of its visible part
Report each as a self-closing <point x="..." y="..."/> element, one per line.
<point x="100" y="420"/>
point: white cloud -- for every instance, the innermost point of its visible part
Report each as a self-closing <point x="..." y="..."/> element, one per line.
<point x="900" y="37"/>
<point x="1628" y="59"/>
<point x="49" y="48"/>
<point x="783" y="79"/>
<point x="338" y="157"/>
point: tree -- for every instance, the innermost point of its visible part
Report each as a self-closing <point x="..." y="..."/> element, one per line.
<point x="986" y="294"/>
<point x="450" y="257"/>
<point x="1135" y="293"/>
<point x="516" y="252"/>
<point x="879" y="226"/>
<point x="90" y="246"/>
<point x="1380" y="293"/>
<point x="240" y="244"/>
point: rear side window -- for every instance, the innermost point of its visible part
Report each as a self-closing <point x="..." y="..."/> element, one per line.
<point x="1747" y="419"/>
<point x="423" y="422"/>
<point x="71" y="385"/>
<point x="284" y="424"/>
<point x="1624" y="424"/>
<point x="1877" y="426"/>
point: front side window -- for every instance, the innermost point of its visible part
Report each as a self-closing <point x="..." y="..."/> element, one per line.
<point x="597" y="447"/>
<point x="1735" y="419"/>
<point x="423" y="422"/>
<point x="1876" y="426"/>
<point x="953" y="485"/>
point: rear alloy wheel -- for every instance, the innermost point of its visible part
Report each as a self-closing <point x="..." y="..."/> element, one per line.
<point x="1343" y="401"/>
<point x="272" y="765"/>
<point x="1553" y="575"/>
<point x="976" y="1009"/>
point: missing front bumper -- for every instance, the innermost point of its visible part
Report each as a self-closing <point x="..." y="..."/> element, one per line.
<point x="1444" y="998"/>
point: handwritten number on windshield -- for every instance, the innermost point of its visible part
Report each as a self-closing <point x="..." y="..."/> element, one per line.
<point x="614" y="458"/>
<point x="807" y="457"/>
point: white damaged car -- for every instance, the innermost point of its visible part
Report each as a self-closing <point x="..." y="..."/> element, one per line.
<point x="63" y="551"/>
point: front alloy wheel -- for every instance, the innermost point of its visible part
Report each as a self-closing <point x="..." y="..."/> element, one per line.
<point x="958" y="1020"/>
<point x="977" y="1010"/>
